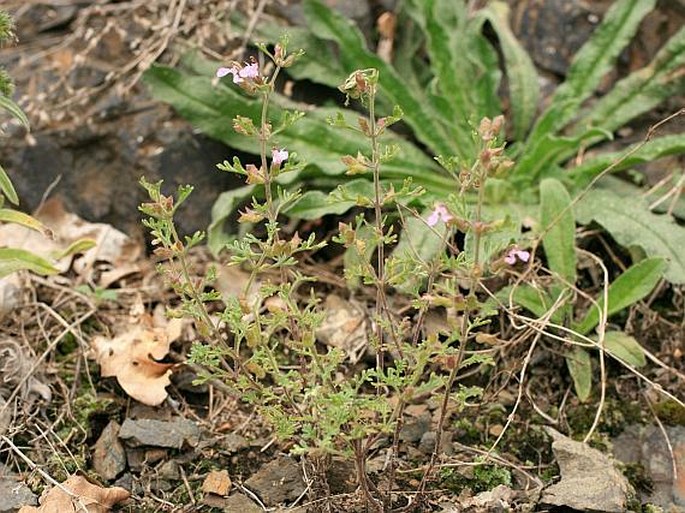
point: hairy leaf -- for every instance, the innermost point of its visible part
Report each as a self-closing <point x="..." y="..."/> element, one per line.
<point x="625" y="348"/>
<point x="631" y="223"/>
<point x="7" y="188"/>
<point x="579" y="366"/>
<point x="524" y="89"/>
<point x="558" y="228"/>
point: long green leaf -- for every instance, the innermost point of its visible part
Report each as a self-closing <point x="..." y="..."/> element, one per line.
<point x="524" y="88"/>
<point x="631" y="286"/>
<point x="631" y="223"/>
<point x="625" y="348"/>
<point x="597" y="56"/>
<point x="8" y="215"/>
<point x="211" y="109"/>
<point x="7" y="188"/>
<point x="589" y="65"/>
<point x="642" y="90"/>
<point x="579" y="366"/>
<point x="638" y="153"/>
<point x="558" y="225"/>
<point x="419" y="114"/>
<point x="10" y="106"/>
<point x="226" y="204"/>
<point x="13" y="260"/>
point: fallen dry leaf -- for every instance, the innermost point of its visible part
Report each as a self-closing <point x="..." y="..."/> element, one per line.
<point x="135" y="359"/>
<point x="111" y="245"/>
<point x="217" y="482"/>
<point x="82" y="494"/>
<point x="344" y="327"/>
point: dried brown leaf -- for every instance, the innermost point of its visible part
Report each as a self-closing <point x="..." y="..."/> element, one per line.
<point x="79" y="494"/>
<point x="135" y="359"/>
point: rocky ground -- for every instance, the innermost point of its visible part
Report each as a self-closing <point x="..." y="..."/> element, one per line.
<point x="95" y="131"/>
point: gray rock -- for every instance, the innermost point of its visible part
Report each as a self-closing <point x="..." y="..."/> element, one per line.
<point x="647" y="446"/>
<point x="278" y="481"/>
<point x="239" y="503"/>
<point x="589" y="479"/>
<point x="109" y="455"/>
<point x="414" y="428"/>
<point x="158" y="433"/>
<point x="15" y="494"/>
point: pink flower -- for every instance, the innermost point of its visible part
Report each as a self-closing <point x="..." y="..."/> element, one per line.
<point x="240" y="73"/>
<point x="515" y="254"/>
<point x="249" y="71"/>
<point x="440" y="213"/>
<point x="279" y="156"/>
<point x="222" y="72"/>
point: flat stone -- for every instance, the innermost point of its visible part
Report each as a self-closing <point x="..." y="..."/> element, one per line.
<point x="15" y="494"/>
<point x="239" y="503"/>
<point x="109" y="455"/>
<point x="277" y="482"/>
<point x="589" y="479"/>
<point x="173" y="434"/>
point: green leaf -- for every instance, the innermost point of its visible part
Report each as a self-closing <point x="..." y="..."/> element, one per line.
<point x="631" y="286"/>
<point x="10" y="106"/>
<point x="13" y="260"/>
<point x="590" y="64"/>
<point x="559" y="229"/>
<point x="596" y="58"/>
<point x="643" y="89"/>
<point x="524" y="88"/>
<point x="316" y="204"/>
<point x="579" y="366"/>
<point x="535" y="300"/>
<point x="79" y="246"/>
<point x="8" y="215"/>
<point x="210" y="108"/>
<point x="625" y="348"/>
<point x="417" y="242"/>
<point x="328" y="25"/>
<point x="638" y="153"/>
<point x="353" y="260"/>
<point x="631" y="223"/>
<point x="226" y="204"/>
<point x="7" y="188"/>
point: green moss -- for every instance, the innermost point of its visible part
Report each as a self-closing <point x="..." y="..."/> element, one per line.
<point x="670" y="412"/>
<point x="617" y="414"/>
<point x="638" y="477"/>
<point x="485" y="477"/>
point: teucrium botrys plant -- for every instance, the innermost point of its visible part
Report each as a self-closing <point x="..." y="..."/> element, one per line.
<point x="263" y="344"/>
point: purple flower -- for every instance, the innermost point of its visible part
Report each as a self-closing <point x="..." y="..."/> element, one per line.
<point x="222" y="72"/>
<point x="279" y="156"/>
<point x="515" y="254"/>
<point x="440" y="213"/>
<point x="249" y="71"/>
